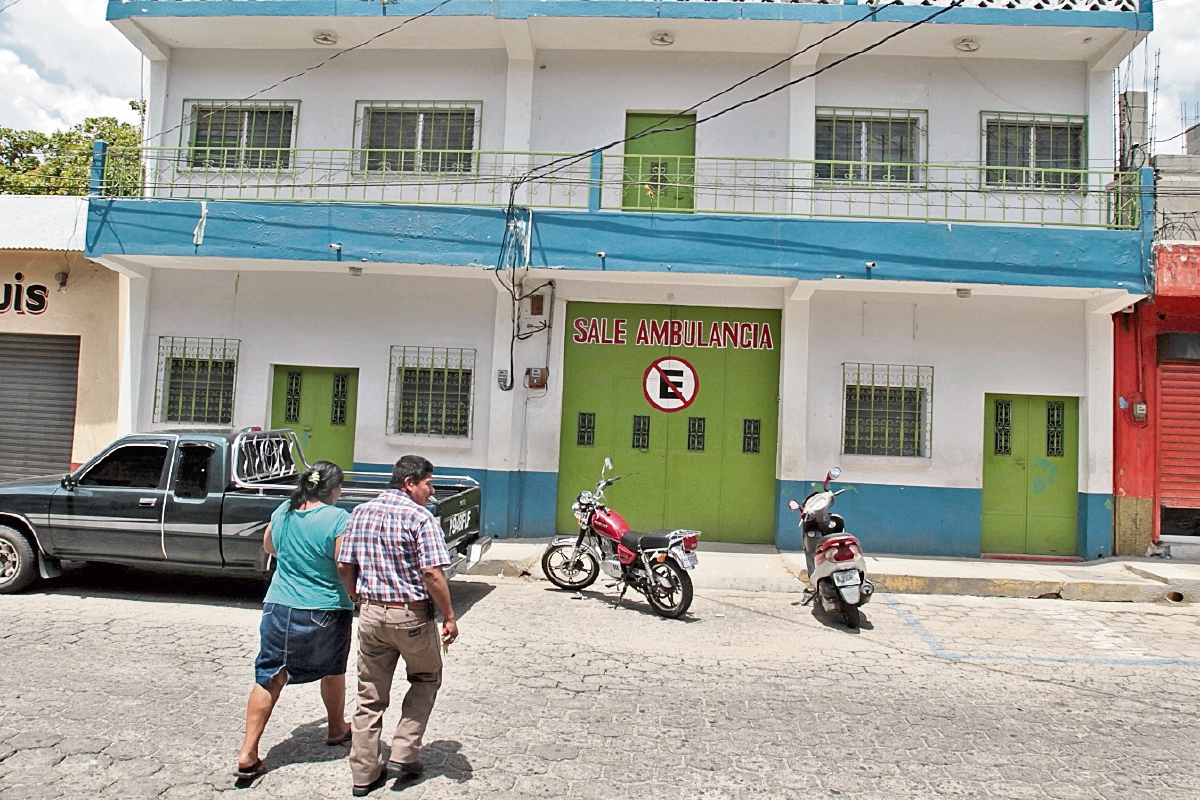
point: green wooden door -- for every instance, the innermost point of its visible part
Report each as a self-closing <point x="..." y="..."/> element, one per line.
<point x="708" y="466"/>
<point x="1030" y="475"/>
<point x="320" y="405"/>
<point x="660" y="168"/>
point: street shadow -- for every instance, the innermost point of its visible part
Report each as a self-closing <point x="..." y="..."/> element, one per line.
<point x="156" y="585"/>
<point x="304" y="745"/>
<point x="441" y="758"/>
<point x="633" y="601"/>
<point x="832" y="619"/>
<point x="152" y="585"/>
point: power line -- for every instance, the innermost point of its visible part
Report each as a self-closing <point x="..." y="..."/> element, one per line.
<point x="8" y="6"/>
<point x="573" y="159"/>
<point x="306" y="70"/>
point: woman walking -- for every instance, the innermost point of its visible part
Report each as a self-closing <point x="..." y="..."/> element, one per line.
<point x="307" y="615"/>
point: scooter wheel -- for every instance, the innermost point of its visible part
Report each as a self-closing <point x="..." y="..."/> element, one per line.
<point x="568" y="568"/>
<point x="852" y="616"/>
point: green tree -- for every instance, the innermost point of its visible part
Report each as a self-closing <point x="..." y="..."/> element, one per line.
<point x="32" y="162"/>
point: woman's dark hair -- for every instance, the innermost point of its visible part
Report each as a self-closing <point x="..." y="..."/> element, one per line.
<point x="414" y="467"/>
<point x="317" y="483"/>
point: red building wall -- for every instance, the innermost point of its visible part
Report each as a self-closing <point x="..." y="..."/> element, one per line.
<point x="1175" y="308"/>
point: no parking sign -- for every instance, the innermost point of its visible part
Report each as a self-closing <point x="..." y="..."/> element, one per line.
<point x="670" y="384"/>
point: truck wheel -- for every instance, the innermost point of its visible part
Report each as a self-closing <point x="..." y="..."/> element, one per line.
<point x="18" y="561"/>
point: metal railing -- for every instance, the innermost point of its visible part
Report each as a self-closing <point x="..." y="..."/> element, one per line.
<point x="1065" y="5"/>
<point x="674" y="184"/>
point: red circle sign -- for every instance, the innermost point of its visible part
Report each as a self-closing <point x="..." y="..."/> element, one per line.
<point x="670" y="384"/>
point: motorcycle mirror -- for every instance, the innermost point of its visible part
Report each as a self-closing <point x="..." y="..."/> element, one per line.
<point x="835" y="473"/>
<point x="793" y="505"/>
<point x="608" y="464"/>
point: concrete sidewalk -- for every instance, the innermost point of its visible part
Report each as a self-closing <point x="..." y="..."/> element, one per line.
<point x="763" y="568"/>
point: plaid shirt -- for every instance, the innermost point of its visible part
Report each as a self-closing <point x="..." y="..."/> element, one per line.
<point x="391" y="539"/>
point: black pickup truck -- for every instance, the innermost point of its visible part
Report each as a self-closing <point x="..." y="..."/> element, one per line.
<point x="187" y="500"/>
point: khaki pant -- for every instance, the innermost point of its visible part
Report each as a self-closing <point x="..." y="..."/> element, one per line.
<point x="385" y="635"/>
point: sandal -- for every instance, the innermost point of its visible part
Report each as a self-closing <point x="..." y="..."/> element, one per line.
<point x="335" y="742"/>
<point x="252" y="771"/>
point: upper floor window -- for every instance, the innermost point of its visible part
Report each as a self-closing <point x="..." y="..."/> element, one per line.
<point x="417" y="136"/>
<point x="1035" y="150"/>
<point x="870" y="144"/>
<point x="234" y="134"/>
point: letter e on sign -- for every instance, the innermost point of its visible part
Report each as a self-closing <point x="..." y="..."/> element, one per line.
<point x="670" y="384"/>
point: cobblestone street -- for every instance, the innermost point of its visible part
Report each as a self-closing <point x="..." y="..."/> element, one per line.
<point x="115" y="683"/>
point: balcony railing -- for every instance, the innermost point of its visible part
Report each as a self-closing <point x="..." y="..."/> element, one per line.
<point x="664" y="184"/>
<point x="1065" y="5"/>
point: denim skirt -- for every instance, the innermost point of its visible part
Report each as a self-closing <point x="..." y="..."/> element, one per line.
<point x="308" y="644"/>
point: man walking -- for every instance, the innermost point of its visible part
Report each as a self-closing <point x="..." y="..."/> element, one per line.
<point x="391" y="562"/>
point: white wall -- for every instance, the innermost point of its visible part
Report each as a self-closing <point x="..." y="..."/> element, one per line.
<point x="580" y="99"/>
<point x="976" y="345"/>
<point x="328" y="96"/>
<point x="954" y="91"/>
<point x="332" y="320"/>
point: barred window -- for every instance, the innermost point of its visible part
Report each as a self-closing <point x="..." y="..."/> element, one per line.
<point x="1056" y="426"/>
<point x="1002" y="435"/>
<point x="695" y="441"/>
<point x="870" y="145"/>
<point x="751" y="435"/>
<point x="1035" y="150"/>
<point x="417" y="137"/>
<point x="196" y="379"/>
<point x="431" y="391"/>
<point x="641" y="432"/>
<point x="888" y="409"/>
<point x="233" y="134"/>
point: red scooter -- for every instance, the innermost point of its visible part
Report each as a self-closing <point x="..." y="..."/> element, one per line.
<point x="655" y="564"/>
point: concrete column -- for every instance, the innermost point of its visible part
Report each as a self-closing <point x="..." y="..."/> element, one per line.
<point x="518" y="95"/>
<point x="1096" y="426"/>
<point x="792" y="459"/>
<point x="134" y="313"/>
<point x="501" y="464"/>
<point x="802" y="101"/>
<point x="1101" y="130"/>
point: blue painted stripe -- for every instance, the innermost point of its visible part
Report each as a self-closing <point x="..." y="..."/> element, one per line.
<point x="778" y="247"/>
<point x="942" y="652"/>
<point x="638" y="9"/>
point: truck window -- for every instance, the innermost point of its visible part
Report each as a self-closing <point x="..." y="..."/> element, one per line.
<point x="134" y="466"/>
<point x="194" y="461"/>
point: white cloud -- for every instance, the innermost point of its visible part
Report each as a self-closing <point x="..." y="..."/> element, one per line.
<point x="1177" y="35"/>
<point x="61" y="62"/>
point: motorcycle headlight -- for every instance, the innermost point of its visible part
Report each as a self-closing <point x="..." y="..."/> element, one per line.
<point x="818" y="502"/>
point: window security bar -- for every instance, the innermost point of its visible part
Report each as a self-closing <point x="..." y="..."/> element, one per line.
<point x="195" y="380"/>
<point x="431" y="391"/>
<point x="887" y="410"/>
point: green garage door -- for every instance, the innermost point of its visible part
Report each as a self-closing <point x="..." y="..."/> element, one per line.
<point x="684" y="400"/>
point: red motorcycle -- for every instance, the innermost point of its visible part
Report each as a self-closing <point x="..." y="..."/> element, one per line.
<point x="655" y="564"/>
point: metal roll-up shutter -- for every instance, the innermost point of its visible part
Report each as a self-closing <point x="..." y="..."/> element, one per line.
<point x="1179" y="446"/>
<point x="39" y="377"/>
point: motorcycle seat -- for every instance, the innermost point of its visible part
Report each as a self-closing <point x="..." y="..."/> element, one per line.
<point x="637" y="541"/>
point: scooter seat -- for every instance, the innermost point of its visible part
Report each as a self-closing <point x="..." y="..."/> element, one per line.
<point x="637" y="541"/>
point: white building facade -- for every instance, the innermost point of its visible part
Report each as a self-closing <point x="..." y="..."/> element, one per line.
<point x="905" y="262"/>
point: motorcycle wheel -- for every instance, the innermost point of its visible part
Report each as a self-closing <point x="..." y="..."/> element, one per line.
<point x="566" y="570"/>
<point x="669" y="590"/>
<point x="852" y="616"/>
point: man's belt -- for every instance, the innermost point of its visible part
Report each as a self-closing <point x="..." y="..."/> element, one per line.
<point x="417" y="607"/>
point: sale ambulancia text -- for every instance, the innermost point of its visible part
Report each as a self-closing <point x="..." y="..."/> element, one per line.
<point x="675" y="333"/>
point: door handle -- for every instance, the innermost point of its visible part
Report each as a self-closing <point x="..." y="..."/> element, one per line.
<point x="1021" y="463"/>
<point x="147" y="502"/>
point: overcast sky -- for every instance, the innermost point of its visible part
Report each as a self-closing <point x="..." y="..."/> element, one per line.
<point x="60" y="62"/>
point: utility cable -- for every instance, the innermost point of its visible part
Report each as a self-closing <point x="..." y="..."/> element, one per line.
<point x="577" y="157"/>
<point x="8" y="6"/>
<point x="306" y="70"/>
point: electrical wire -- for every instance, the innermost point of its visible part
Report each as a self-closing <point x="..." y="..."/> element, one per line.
<point x="577" y="157"/>
<point x="8" y="6"/>
<point x="306" y="70"/>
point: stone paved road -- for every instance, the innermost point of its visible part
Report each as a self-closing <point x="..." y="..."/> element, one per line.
<point x="114" y="683"/>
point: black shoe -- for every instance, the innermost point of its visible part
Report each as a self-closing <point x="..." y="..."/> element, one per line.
<point x="363" y="791"/>
<point x="410" y="770"/>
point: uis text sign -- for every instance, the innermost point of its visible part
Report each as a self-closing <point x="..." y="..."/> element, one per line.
<point x="22" y="299"/>
<point x="674" y="333"/>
